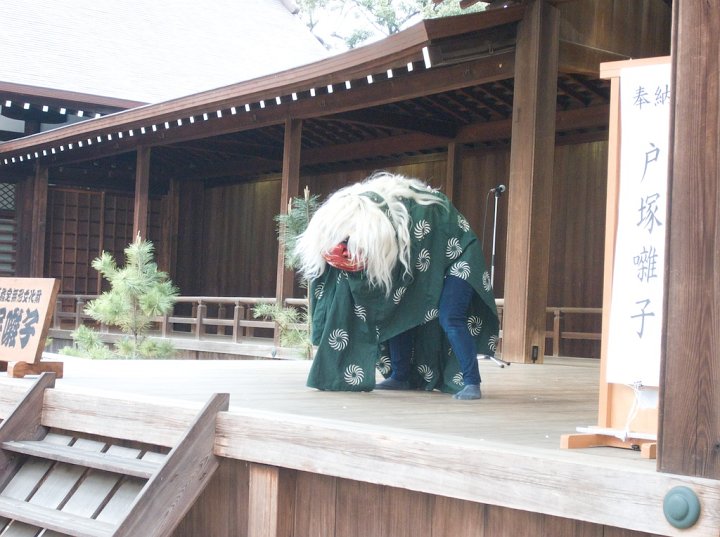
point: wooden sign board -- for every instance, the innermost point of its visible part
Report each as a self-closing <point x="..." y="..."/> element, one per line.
<point x="634" y="249"/>
<point x="26" y="308"/>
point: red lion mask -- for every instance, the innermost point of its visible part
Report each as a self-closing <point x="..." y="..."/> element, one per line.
<point x="339" y="257"/>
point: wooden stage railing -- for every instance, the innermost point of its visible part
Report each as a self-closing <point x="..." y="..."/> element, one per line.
<point x="232" y="318"/>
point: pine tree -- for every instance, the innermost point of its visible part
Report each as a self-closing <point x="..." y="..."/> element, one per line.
<point x="139" y="293"/>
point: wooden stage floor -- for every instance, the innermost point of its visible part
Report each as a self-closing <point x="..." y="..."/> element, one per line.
<point x="524" y="405"/>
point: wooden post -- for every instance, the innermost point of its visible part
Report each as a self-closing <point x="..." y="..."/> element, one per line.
<point x="453" y="171"/>
<point x="39" y="222"/>
<point x="290" y="188"/>
<point x="271" y="503"/>
<point x="530" y="188"/>
<point x="689" y="409"/>
<point x="142" y="186"/>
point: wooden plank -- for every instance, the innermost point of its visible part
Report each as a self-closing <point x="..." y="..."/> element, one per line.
<point x="486" y="472"/>
<point x="357" y="508"/>
<point x="53" y="519"/>
<point x="406" y="513"/>
<point x="23" y="423"/>
<point x="271" y="501"/>
<point x="189" y="466"/>
<point x="690" y="376"/>
<point x="72" y="455"/>
<point x="457" y="517"/>
<point x="143" y="419"/>
<point x="530" y="185"/>
<point x="315" y="505"/>
<point x="37" y="242"/>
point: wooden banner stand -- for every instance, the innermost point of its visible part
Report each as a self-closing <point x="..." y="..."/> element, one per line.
<point x="26" y="308"/>
<point x="616" y="400"/>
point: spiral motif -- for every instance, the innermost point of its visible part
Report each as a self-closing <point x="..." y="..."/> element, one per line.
<point x="341" y="275"/>
<point x="487" y="284"/>
<point x="458" y="379"/>
<point x="432" y="314"/>
<point x="474" y="324"/>
<point x="319" y="290"/>
<point x="360" y="312"/>
<point x="354" y="374"/>
<point x="453" y="250"/>
<point x="383" y="364"/>
<point x="423" y="260"/>
<point x="426" y="372"/>
<point x="421" y="229"/>
<point x="338" y="339"/>
<point x="463" y="224"/>
<point x="398" y="295"/>
<point x="493" y="342"/>
<point x="461" y="269"/>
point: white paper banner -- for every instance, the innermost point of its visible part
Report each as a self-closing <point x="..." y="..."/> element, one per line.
<point x="636" y="314"/>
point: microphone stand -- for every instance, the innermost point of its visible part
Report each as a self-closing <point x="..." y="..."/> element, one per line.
<point x="498" y="192"/>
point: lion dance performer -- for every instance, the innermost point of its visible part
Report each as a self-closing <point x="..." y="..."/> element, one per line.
<point x="397" y="282"/>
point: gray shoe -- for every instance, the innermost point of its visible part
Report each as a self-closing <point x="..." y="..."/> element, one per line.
<point x="471" y="391"/>
<point x="392" y="384"/>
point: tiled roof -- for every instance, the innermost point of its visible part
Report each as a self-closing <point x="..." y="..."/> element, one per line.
<point x="149" y="51"/>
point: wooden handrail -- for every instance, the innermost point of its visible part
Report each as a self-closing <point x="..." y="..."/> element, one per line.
<point x="211" y="311"/>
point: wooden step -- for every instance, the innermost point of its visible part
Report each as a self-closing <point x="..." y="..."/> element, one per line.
<point x="52" y="519"/>
<point x="144" y="469"/>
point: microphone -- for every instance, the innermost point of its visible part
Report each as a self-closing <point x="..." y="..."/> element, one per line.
<point x="498" y="189"/>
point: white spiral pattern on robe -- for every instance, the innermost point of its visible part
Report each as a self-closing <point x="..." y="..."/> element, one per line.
<point x="319" y="290"/>
<point x="453" y="250"/>
<point x="493" y="342"/>
<point x="432" y="314"/>
<point x="458" y="379"/>
<point x="342" y="275"/>
<point x="338" y="339"/>
<point x="487" y="284"/>
<point x="423" y="260"/>
<point x="383" y="364"/>
<point x="426" y="372"/>
<point x="463" y="224"/>
<point x="360" y="312"/>
<point x="354" y="374"/>
<point x="421" y="229"/>
<point x="398" y="295"/>
<point x="474" y="324"/>
<point x="461" y="269"/>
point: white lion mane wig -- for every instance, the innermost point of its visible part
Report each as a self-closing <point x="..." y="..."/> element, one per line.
<point x="371" y="216"/>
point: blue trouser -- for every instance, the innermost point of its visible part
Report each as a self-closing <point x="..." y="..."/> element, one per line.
<point x="454" y="302"/>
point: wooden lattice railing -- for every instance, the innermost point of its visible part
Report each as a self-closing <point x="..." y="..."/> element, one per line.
<point x="232" y="318"/>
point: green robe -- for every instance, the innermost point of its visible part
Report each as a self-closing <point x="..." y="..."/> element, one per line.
<point x="352" y="321"/>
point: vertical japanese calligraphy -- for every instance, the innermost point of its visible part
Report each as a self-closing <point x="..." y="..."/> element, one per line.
<point x="26" y="305"/>
<point x="636" y="314"/>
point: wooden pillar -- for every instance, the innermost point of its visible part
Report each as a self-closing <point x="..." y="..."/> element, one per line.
<point x="142" y="186"/>
<point x="530" y="185"/>
<point x="689" y="439"/>
<point x="290" y="189"/>
<point x="167" y="253"/>
<point x="39" y="221"/>
<point x="271" y="502"/>
<point x="453" y="171"/>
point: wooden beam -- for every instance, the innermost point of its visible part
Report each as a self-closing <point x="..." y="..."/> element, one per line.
<point x="530" y="185"/>
<point x="689" y="441"/>
<point x="453" y="169"/>
<point x="39" y="221"/>
<point x="142" y="186"/>
<point x="582" y="59"/>
<point x="404" y="122"/>
<point x="290" y="188"/>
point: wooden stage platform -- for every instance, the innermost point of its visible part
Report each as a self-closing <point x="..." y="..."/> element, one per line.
<point x="502" y="452"/>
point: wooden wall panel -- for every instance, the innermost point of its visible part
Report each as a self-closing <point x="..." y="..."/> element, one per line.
<point x="315" y="505"/>
<point x="635" y="29"/>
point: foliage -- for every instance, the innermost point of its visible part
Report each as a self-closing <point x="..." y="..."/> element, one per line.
<point x="292" y="325"/>
<point x="139" y="293"/>
<point x="292" y="224"/>
<point x="365" y="19"/>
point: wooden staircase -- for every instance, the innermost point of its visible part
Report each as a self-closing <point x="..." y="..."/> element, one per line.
<point x="97" y="466"/>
